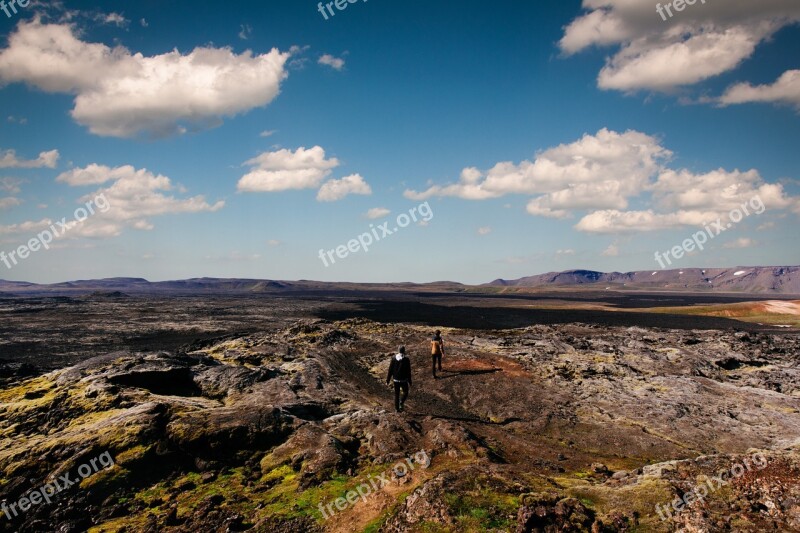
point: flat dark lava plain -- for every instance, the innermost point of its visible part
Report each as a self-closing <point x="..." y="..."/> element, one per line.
<point x="51" y="332"/>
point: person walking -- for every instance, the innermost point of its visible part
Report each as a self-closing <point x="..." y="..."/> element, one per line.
<point x="400" y="372"/>
<point x="437" y="351"/>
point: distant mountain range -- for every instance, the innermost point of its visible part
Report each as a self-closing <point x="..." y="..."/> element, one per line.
<point x="775" y="280"/>
<point x="123" y="286"/>
<point x="756" y="280"/>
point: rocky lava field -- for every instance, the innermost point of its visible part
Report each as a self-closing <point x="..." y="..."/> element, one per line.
<point x="257" y="418"/>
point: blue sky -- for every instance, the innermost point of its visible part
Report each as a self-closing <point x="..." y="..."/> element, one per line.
<point x="240" y="139"/>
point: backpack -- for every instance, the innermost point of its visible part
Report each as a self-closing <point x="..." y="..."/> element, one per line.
<point x="436" y="346"/>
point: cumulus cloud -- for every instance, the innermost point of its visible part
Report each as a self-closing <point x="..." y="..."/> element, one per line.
<point x="377" y="212"/>
<point x="720" y="191"/>
<point x="743" y="242"/>
<point x="9" y="159"/>
<point x="697" y="43"/>
<point x="123" y="94"/>
<point x="608" y="194"/>
<point x="597" y="171"/>
<point x="335" y="63"/>
<point x="334" y="190"/>
<point x="25" y="227"/>
<point x="8" y="202"/>
<point x="603" y="174"/>
<point x="684" y="199"/>
<point x="134" y="196"/>
<point x="302" y="168"/>
<point x="667" y="66"/>
<point x="614" y="221"/>
<point x="786" y="90"/>
<point x="285" y="170"/>
<point x="95" y="174"/>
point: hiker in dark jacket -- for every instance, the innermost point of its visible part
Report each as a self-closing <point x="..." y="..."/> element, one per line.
<point x="400" y="372"/>
<point x="437" y="351"/>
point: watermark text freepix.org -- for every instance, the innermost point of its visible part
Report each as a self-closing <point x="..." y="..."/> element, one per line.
<point x="372" y="484"/>
<point x="711" y="485"/>
<point x="699" y="239"/>
<point x="13" y="8"/>
<point x="341" y="5"/>
<point x="49" y="490"/>
<point x="43" y="239"/>
<point x="365" y="240"/>
<point x="678" y="5"/>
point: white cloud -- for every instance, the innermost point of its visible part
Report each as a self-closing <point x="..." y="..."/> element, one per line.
<point x="697" y="43"/>
<point x="664" y="67"/>
<point x="614" y="221"/>
<point x="268" y="133"/>
<point x="743" y="242"/>
<point x="686" y="199"/>
<point x="144" y="23"/>
<point x="122" y="94"/>
<point x="486" y="230"/>
<point x="377" y="212"/>
<point x="562" y="253"/>
<point x="611" y="251"/>
<point x="245" y="32"/>
<point x="335" y="63"/>
<point x="9" y="201"/>
<point x="597" y="171"/>
<point x="719" y="191"/>
<point x="605" y="194"/>
<point x="786" y="90"/>
<point x="274" y="242"/>
<point x="334" y="190"/>
<point x="26" y="227"/>
<point x="604" y="173"/>
<point x="298" y="61"/>
<point x="284" y="170"/>
<point x="8" y="159"/>
<point x="95" y="174"/>
<point x="113" y="18"/>
<point x="134" y="197"/>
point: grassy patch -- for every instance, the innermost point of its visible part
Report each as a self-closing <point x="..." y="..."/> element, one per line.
<point x="483" y="509"/>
